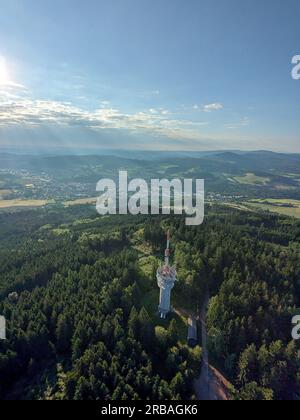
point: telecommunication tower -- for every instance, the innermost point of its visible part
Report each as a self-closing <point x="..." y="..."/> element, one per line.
<point x="166" y="278"/>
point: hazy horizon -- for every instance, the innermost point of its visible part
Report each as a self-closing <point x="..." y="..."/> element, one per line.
<point x="134" y="153"/>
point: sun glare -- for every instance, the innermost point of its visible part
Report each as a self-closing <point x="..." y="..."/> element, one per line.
<point x="3" y="72"/>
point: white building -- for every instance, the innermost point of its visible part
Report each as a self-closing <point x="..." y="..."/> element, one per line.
<point x="166" y="278"/>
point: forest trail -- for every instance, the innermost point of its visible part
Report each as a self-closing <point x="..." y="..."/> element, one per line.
<point x="211" y="385"/>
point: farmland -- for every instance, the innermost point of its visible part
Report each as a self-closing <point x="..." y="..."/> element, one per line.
<point x="6" y="204"/>
<point x="280" y="206"/>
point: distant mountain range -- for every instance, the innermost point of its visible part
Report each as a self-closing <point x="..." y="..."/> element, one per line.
<point x="235" y="161"/>
<point x="258" y="173"/>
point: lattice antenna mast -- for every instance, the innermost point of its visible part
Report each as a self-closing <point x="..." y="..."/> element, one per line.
<point x="167" y="251"/>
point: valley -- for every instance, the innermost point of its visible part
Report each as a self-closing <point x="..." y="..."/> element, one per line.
<point x="80" y="294"/>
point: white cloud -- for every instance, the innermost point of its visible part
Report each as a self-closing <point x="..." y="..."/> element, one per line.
<point x="213" y="107"/>
<point x="27" y="112"/>
<point x="18" y="109"/>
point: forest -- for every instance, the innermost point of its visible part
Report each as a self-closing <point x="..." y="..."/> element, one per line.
<point x="76" y="290"/>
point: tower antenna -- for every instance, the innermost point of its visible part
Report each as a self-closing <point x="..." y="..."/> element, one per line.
<point x="167" y="251"/>
<point x="166" y="278"/>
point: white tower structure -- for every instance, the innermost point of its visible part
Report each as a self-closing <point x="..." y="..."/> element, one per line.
<point x="166" y="278"/>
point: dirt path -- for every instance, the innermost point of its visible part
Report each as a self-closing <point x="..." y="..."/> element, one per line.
<point x="211" y="386"/>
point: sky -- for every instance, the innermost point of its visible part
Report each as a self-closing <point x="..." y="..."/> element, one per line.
<point x="149" y="75"/>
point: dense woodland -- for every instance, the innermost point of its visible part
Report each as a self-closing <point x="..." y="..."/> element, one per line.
<point x="73" y="293"/>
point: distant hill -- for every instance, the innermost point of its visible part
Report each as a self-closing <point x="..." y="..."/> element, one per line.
<point x="259" y="174"/>
<point x="261" y="160"/>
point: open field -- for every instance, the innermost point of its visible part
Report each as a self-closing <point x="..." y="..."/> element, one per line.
<point x="6" y="204"/>
<point x="80" y="202"/>
<point x="4" y="193"/>
<point x="280" y="206"/>
<point x="277" y="201"/>
<point x="252" y="179"/>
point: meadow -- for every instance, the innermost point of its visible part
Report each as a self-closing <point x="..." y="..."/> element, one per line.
<point x="6" y="204"/>
<point x="285" y="207"/>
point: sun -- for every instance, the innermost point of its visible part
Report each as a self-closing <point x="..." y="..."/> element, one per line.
<point x="4" y="79"/>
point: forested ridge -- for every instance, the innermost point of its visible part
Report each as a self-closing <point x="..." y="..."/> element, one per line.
<point x="80" y="326"/>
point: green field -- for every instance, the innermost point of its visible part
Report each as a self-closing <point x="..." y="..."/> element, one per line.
<point x="252" y="179"/>
<point x="5" y="193"/>
<point x="80" y="202"/>
<point x="285" y="207"/>
<point x="6" y="204"/>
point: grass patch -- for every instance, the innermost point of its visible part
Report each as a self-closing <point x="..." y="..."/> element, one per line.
<point x="279" y="201"/>
<point x="5" y="193"/>
<point x="252" y="179"/>
<point x="80" y="202"/>
<point x="6" y="204"/>
<point x="284" y="207"/>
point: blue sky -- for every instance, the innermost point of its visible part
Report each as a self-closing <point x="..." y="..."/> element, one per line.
<point x="140" y="74"/>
